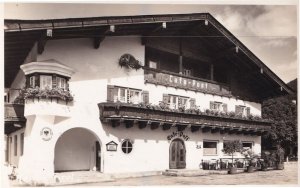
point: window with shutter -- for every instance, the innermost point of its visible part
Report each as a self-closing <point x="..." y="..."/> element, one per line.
<point x="145" y="96"/>
<point x="239" y="110"/>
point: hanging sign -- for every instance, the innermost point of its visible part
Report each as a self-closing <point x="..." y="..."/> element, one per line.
<point x="178" y="134"/>
<point x="111" y="146"/>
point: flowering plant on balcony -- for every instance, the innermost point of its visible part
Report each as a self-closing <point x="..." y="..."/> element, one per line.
<point x="128" y="61"/>
<point x="54" y="93"/>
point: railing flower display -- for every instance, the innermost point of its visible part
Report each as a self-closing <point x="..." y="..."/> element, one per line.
<point x="54" y="93"/>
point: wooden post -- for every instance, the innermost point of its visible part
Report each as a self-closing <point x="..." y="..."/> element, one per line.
<point x="180" y="56"/>
<point x="211" y="71"/>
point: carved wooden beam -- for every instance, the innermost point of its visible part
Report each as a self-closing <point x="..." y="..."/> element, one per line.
<point x="41" y="43"/>
<point x="154" y="125"/>
<point x="142" y="124"/>
<point x="181" y="127"/>
<point x="97" y="42"/>
<point x="166" y="126"/>
<point x="214" y="129"/>
<point x="129" y="123"/>
<point x="195" y="128"/>
<point x="115" y="123"/>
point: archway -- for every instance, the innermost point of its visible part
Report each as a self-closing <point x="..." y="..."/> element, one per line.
<point x="77" y="149"/>
<point x="177" y="154"/>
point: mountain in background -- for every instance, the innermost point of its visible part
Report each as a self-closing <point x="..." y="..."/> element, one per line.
<point x="293" y="84"/>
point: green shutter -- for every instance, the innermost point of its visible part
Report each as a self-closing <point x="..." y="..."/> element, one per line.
<point x="192" y="103"/>
<point x="248" y="111"/>
<point x="110" y="93"/>
<point x="37" y="80"/>
<point x="225" y="107"/>
<point x="27" y="81"/>
<point x="166" y="98"/>
<point x="145" y="96"/>
<point x="238" y="110"/>
<point x="54" y="81"/>
<point x="211" y="105"/>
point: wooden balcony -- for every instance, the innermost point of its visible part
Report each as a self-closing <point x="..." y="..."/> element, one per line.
<point x="13" y="117"/>
<point x="117" y="113"/>
<point x="170" y="79"/>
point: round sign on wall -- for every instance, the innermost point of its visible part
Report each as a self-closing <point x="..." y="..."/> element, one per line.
<point x="46" y="133"/>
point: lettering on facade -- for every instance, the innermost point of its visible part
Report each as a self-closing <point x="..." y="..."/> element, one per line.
<point x="178" y="134"/>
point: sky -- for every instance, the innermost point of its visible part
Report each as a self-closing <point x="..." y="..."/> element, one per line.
<point x="269" y="31"/>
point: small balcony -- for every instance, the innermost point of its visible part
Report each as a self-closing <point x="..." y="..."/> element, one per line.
<point x="13" y="117"/>
<point x="129" y="114"/>
<point x="170" y="79"/>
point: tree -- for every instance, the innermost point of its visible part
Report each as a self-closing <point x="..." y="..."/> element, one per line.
<point x="232" y="147"/>
<point x="283" y="112"/>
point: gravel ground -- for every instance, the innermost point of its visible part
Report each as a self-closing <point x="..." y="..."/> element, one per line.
<point x="288" y="176"/>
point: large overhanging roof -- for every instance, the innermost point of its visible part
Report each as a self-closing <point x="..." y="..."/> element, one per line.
<point x="20" y="36"/>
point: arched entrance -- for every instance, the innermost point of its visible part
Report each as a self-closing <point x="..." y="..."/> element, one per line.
<point x="177" y="154"/>
<point x="77" y="149"/>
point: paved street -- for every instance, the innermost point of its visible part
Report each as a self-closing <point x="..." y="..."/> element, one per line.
<point x="287" y="176"/>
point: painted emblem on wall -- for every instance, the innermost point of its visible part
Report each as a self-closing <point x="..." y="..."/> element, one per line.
<point x="46" y="133"/>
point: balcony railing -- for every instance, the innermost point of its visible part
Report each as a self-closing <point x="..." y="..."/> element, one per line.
<point x="129" y="113"/>
<point x="13" y="112"/>
<point x="171" y="79"/>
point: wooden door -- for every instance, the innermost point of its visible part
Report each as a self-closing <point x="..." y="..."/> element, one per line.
<point x="98" y="156"/>
<point x="177" y="154"/>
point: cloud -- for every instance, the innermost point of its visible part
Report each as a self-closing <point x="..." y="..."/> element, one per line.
<point x="275" y="21"/>
<point x="276" y="43"/>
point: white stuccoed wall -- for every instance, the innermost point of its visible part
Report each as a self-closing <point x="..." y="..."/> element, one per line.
<point x="95" y="68"/>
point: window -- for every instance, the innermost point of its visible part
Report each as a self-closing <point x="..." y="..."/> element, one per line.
<point x="6" y="97"/>
<point x="16" y="145"/>
<point x="125" y="95"/>
<point x="152" y="64"/>
<point x="126" y="146"/>
<point x="177" y="101"/>
<point x="61" y="82"/>
<point x="45" y="82"/>
<point x="247" y="145"/>
<point x="242" y="110"/>
<point x="218" y="106"/>
<point x="32" y="81"/>
<point x="22" y="144"/>
<point x="187" y="72"/>
<point x="210" y="147"/>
